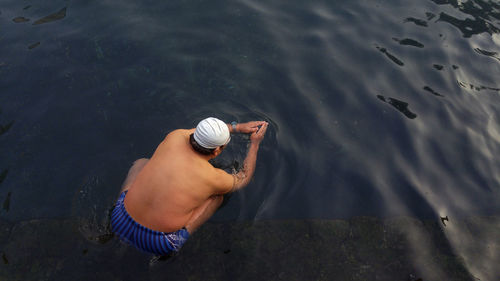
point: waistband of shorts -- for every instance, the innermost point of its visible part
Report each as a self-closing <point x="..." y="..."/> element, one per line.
<point x="121" y="206"/>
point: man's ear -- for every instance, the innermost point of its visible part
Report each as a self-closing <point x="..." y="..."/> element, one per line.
<point x="217" y="150"/>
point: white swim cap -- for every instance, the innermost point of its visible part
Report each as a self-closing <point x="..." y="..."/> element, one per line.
<point x="211" y="133"/>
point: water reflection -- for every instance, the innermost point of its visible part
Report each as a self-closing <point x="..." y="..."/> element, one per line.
<point x="430" y="90"/>
<point x="425" y="155"/>
<point x="438" y="66"/>
<point x="409" y="42"/>
<point x="5" y="128"/>
<point x="34" y="45"/>
<point x="20" y="19"/>
<point x="6" y="202"/>
<point x="401" y="106"/>
<point x="416" y="21"/>
<point x="443" y="219"/>
<point x="469" y="86"/>
<point x="390" y="56"/>
<point x="482" y="13"/>
<point x="487" y="53"/>
<point x="52" y="17"/>
<point x="3" y="175"/>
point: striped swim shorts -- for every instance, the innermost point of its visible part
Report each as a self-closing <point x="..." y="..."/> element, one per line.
<point x="143" y="238"/>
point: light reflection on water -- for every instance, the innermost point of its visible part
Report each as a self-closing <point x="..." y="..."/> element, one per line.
<point x="385" y="108"/>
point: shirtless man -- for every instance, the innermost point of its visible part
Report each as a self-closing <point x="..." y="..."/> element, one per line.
<point x="166" y="198"/>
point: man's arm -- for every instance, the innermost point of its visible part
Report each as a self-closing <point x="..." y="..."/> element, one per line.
<point x="246" y="128"/>
<point x="241" y="179"/>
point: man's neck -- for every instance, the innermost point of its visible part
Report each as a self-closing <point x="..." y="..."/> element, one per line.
<point x="206" y="157"/>
<point x="203" y="156"/>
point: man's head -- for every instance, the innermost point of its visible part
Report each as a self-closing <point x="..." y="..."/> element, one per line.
<point x="210" y="136"/>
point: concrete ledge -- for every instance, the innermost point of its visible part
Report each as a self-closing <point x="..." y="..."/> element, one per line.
<point x="361" y="248"/>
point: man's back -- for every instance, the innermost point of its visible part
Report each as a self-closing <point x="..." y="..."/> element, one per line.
<point x="175" y="182"/>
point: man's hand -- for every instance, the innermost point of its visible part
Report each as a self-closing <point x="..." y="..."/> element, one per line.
<point x="257" y="136"/>
<point x="257" y="129"/>
<point x="249" y="127"/>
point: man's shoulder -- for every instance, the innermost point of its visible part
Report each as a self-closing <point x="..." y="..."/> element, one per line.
<point x="180" y="132"/>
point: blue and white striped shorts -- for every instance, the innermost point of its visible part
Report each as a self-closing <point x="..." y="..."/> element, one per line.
<point x="143" y="238"/>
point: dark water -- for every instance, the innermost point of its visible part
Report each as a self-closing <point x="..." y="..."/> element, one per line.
<point x="377" y="108"/>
